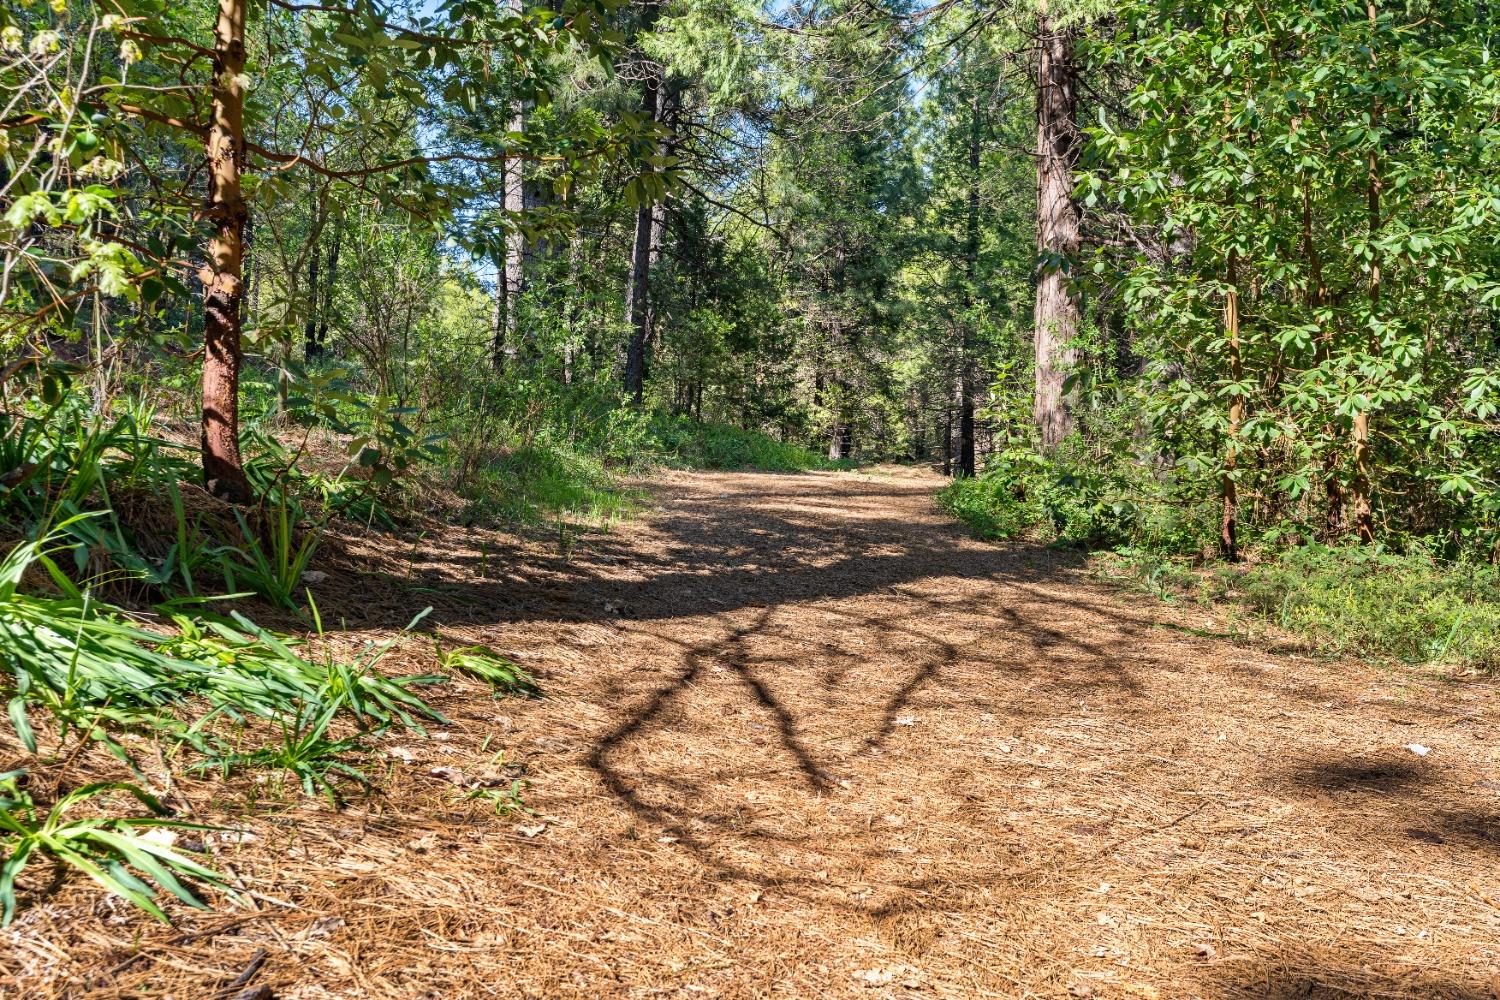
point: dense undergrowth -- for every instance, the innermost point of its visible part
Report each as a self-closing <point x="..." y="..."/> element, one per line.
<point x="1412" y="603"/>
<point x="697" y="445"/>
<point x="115" y="633"/>
<point x="522" y="450"/>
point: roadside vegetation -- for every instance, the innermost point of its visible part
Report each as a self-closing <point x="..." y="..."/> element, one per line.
<point x="127" y="596"/>
<point x="1407" y="603"/>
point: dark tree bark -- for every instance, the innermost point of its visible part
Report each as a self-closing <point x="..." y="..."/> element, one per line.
<point x="1229" y="524"/>
<point x="501" y="320"/>
<point x="222" y="275"/>
<point x="947" y="435"/>
<point x="636" y="300"/>
<point x="330" y="283"/>
<point x="971" y="276"/>
<point x="1057" y="308"/>
<point x="311" y="349"/>
<point x="647" y="237"/>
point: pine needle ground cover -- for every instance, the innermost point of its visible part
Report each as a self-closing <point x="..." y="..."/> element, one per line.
<point x="806" y="730"/>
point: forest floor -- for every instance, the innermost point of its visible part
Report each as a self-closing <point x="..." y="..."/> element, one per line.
<point x="803" y="737"/>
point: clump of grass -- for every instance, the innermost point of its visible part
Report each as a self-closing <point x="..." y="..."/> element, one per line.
<point x="1346" y="601"/>
<point x="94" y="671"/>
<point x="305" y="750"/>
<point x="537" y="484"/>
<point x="273" y="558"/>
<point x="507" y="800"/>
<point x="503" y="676"/>
<point x="110" y="850"/>
<point x="1368" y="602"/>
<point x="84" y="661"/>
<point x="699" y="445"/>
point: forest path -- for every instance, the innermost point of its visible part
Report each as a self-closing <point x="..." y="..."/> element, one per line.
<point x="804" y="737"/>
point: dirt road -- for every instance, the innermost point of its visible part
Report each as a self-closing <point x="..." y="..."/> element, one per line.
<point x="805" y="738"/>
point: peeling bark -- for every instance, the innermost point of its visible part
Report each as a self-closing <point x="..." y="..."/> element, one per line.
<point x="222" y="275"/>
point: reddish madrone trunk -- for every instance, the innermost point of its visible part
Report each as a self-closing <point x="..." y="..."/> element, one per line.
<point x="222" y="276"/>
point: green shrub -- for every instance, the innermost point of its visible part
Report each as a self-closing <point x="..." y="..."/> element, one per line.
<point x="1356" y="601"/>
<point x="1368" y="602"/>
<point x="697" y="445"/>
<point x="544" y="482"/>
<point x="1075" y="500"/>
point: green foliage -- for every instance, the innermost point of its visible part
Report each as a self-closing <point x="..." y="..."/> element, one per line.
<point x="507" y="800"/>
<point x="1370" y="602"/>
<point x="89" y="666"/>
<point x="276" y="555"/>
<point x="60" y="460"/>
<point x="1078" y="499"/>
<point x="1407" y="607"/>
<point x="305" y="751"/>
<point x="1333" y="167"/>
<point x="540" y="483"/>
<point x="116" y="852"/>
<point x="503" y="676"/>
<point x="699" y="445"/>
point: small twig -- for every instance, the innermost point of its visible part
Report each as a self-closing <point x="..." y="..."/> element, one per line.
<point x="251" y="968"/>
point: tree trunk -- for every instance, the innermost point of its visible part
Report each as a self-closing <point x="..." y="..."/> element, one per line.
<point x="502" y="313"/>
<point x="637" y="309"/>
<point x="841" y="440"/>
<point x="638" y="290"/>
<point x="971" y="277"/>
<point x="510" y="280"/>
<point x="947" y="434"/>
<point x="669" y="101"/>
<point x="1057" y="307"/>
<point x="330" y="283"/>
<point x="223" y="469"/>
<point x="1362" y="515"/>
<point x="965" y="427"/>
<point x="310" y="347"/>
<point x="513" y="280"/>
<point x="1229" y="525"/>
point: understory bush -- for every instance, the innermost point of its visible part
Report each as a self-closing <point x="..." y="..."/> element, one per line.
<point x="1409" y="606"/>
<point x="1369" y="602"/>
<point x="1075" y="500"/>
<point x="545" y="481"/>
<point x="539" y="450"/>
<point x="698" y="445"/>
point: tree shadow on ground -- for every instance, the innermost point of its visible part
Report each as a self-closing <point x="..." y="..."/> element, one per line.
<point x="711" y="557"/>
<point x="825" y="618"/>
<point x="1314" y="977"/>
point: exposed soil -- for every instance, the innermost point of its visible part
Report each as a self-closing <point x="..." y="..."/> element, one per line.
<point x="803" y="737"/>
